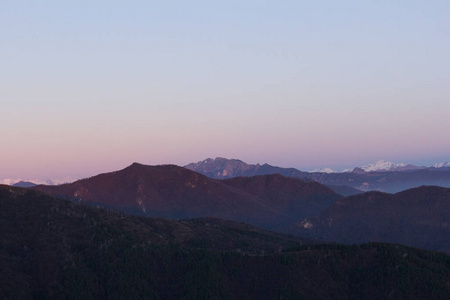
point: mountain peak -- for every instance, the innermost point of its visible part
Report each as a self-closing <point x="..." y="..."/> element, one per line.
<point x="358" y="171"/>
<point x="136" y="165"/>
<point x="221" y="167"/>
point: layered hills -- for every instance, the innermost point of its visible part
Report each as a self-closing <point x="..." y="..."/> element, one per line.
<point x="222" y="168"/>
<point x="269" y="201"/>
<point x="417" y="217"/>
<point x="383" y="176"/>
<point x="57" y="249"/>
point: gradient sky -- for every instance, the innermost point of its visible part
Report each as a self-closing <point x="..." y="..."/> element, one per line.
<point x="92" y="86"/>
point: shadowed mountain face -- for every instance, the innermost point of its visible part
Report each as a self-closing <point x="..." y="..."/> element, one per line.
<point x="173" y="192"/>
<point x="295" y="199"/>
<point x="346" y="184"/>
<point x="417" y="217"/>
<point x="56" y="249"/>
<point x="29" y="213"/>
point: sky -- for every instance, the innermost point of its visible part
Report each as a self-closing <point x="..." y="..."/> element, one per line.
<point x="91" y="86"/>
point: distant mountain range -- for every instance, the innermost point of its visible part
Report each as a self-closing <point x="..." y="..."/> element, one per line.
<point x="381" y="176"/>
<point x="376" y="167"/>
<point x="382" y="165"/>
<point x="20" y="182"/>
<point x="57" y="249"/>
<point x="221" y="168"/>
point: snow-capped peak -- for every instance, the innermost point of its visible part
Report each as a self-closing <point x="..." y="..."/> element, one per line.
<point x="323" y="170"/>
<point x="442" y="165"/>
<point x="382" y="165"/>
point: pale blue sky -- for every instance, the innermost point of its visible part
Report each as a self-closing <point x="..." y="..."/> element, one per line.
<point x="90" y="86"/>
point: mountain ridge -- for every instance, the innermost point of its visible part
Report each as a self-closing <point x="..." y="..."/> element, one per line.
<point x="174" y="192"/>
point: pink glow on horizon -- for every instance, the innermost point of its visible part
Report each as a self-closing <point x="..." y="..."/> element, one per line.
<point x="86" y="143"/>
<point x="85" y="91"/>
